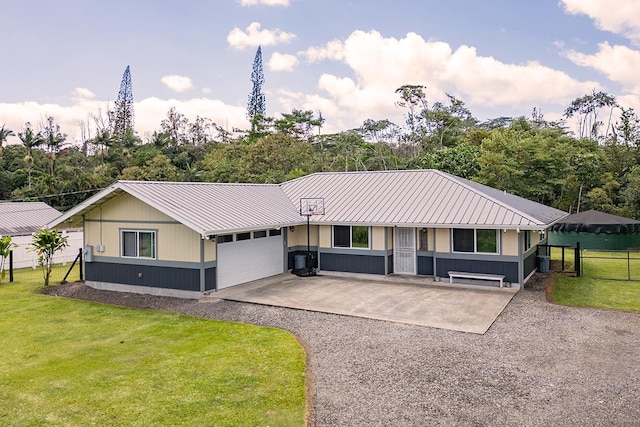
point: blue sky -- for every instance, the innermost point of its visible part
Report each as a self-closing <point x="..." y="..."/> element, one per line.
<point x="344" y="58"/>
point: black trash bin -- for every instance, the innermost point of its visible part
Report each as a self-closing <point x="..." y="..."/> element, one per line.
<point x="544" y="263"/>
<point x="300" y="262"/>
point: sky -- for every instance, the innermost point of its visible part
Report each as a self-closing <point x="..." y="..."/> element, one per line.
<point x="345" y="59"/>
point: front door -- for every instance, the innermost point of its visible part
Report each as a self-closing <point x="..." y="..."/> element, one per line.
<point x="404" y="251"/>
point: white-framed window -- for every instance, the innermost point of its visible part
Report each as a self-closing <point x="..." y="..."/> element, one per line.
<point x="224" y="238"/>
<point x="527" y="240"/>
<point x="138" y="243"/>
<point x="351" y="236"/>
<point x="243" y="236"/>
<point x="479" y="240"/>
<point x="259" y="234"/>
<point x="275" y="232"/>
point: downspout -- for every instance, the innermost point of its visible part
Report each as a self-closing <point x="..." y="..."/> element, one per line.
<point x="435" y="264"/>
<point x="386" y="252"/>
<point x="318" y="247"/>
<point x="521" y="252"/>
<point x="202" y="275"/>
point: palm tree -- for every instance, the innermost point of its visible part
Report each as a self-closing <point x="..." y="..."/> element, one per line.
<point x="4" y="134"/>
<point x="30" y="140"/>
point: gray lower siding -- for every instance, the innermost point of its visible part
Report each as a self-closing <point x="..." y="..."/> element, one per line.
<point x="352" y="263"/>
<point x="506" y="268"/>
<point x="425" y="265"/>
<point x="165" y="277"/>
<point x="530" y="263"/>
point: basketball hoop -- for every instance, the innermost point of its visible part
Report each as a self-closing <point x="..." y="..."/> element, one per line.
<point x="311" y="206"/>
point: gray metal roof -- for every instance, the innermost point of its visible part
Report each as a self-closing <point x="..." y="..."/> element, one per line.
<point x="24" y="218"/>
<point x="421" y="198"/>
<point x="207" y="208"/>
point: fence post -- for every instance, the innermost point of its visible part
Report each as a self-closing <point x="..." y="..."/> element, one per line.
<point x="81" y="266"/>
<point x="578" y="259"/>
<point x="629" y="264"/>
<point x="10" y="266"/>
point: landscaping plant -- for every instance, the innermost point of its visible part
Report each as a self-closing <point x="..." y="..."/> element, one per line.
<point x="46" y="243"/>
<point x="5" y="250"/>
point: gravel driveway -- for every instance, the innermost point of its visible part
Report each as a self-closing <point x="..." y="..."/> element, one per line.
<point x="538" y="365"/>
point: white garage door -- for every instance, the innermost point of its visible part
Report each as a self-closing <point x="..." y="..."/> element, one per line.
<point x="250" y="256"/>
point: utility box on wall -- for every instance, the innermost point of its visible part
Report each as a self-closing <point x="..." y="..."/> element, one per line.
<point x="88" y="253"/>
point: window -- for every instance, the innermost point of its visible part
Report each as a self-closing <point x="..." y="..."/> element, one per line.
<point x="243" y="236"/>
<point x="423" y="243"/>
<point x="463" y="240"/>
<point x="225" y="238"/>
<point x="345" y="236"/>
<point x="274" y="232"/>
<point x="527" y="240"/>
<point x="259" y="234"/>
<point x="138" y="244"/>
<point x="480" y="240"/>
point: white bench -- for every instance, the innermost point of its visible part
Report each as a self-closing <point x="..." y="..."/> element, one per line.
<point x="479" y="276"/>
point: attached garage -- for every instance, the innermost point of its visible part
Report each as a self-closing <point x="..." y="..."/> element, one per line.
<point x="243" y="257"/>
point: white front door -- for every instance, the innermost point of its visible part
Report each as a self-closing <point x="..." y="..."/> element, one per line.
<point x="404" y="251"/>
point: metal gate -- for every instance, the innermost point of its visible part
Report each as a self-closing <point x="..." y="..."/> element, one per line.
<point x="404" y="251"/>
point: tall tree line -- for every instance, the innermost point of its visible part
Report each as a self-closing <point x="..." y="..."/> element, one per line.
<point x="598" y="167"/>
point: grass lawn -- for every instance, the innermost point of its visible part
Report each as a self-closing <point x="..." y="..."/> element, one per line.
<point x="72" y="363"/>
<point x="590" y="292"/>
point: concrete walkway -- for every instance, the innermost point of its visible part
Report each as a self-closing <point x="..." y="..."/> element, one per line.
<point x="418" y="303"/>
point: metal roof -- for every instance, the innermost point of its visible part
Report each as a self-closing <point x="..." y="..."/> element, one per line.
<point x="24" y="218"/>
<point x="421" y="198"/>
<point x="207" y="208"/>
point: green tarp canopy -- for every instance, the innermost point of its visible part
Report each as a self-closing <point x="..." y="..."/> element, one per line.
<point x="593" y="221"/>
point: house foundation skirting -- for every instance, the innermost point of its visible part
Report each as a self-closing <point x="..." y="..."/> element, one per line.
<point x="146" y="290"/>
<point x="185" y="277"/>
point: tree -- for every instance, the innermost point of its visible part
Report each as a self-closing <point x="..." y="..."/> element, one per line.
<point x="447" y="124"/>
<point x="53" y="139"/>
<point x="122" y="117"/>
<point x="4" y="134"/>
<point x="298" y="124"/>
<point x="175" y="127"/>
<point x="30" y="140"/>
<point x="631" y="193"/>
<point x="256" y="107"/>
<point x="414" y="99"/>
<point x="5" y="250"/>
<point x="587" y="108"/>
<point x="46" y="243"/>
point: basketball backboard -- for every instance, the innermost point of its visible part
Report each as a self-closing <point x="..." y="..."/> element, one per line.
<point x="311" y="206"/>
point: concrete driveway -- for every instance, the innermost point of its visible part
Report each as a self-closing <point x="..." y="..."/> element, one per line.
<point x="420" y="302"/>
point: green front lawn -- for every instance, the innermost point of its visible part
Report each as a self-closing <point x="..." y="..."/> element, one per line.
<point x="71" y="363"/>
<point x="590" y="292"/>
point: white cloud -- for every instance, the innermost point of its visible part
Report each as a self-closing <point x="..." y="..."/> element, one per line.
<point x="177" y="83"/>
<point x="379" y="65"/>
<point x="82" y="93"/>
<point x="620" y="17"/>
<point x="332" y="50"/>
<point x="149" y="113"/>
<point x="264" y="2"/>
<point x="255" y="36"/>
<point x="619" y="63"/>
<point x="282" y="62"/>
